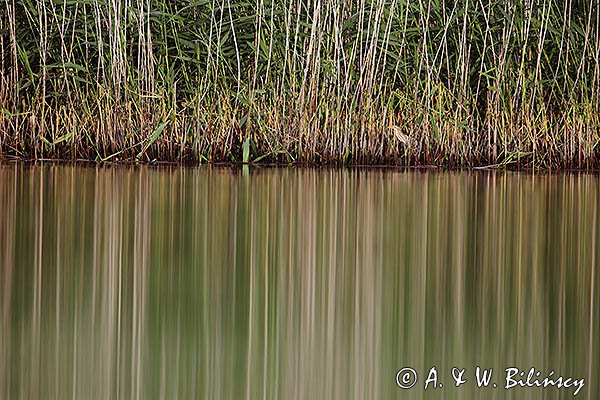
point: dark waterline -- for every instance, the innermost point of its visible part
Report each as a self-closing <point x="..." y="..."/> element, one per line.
<point x="152" y="283"/>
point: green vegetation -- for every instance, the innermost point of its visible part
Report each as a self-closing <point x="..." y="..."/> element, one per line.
<point x="455" y="83"/>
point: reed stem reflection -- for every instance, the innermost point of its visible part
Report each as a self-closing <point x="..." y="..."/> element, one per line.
<point x="158" y="283"/>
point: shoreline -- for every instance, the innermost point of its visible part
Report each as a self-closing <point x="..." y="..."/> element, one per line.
<point x="296" y="166"/>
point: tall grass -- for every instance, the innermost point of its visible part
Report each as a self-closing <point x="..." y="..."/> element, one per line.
<point x="466" y="83"/>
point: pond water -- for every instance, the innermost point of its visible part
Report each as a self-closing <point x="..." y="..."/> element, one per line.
<point x="221" y="283"/>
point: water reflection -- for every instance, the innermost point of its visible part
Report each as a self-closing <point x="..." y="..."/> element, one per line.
<point x="141" y="283"/>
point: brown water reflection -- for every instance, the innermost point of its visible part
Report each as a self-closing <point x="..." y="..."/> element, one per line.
<point x="141" y="283"/>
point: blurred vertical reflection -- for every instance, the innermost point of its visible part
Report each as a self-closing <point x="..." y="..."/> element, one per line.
<point x="141" y="283"/>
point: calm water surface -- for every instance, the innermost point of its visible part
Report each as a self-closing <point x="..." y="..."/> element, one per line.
<point x="144" y="283"/>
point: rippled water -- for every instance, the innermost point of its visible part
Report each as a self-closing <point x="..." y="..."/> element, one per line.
<point x="144" y="283"/>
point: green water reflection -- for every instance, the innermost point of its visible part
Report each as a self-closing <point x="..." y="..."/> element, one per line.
<point x="145" y="283"/>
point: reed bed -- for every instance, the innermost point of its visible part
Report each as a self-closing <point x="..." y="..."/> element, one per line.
<point x="407" y="82"/>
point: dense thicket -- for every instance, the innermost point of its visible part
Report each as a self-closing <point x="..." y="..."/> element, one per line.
<point x="363" y="81"/>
